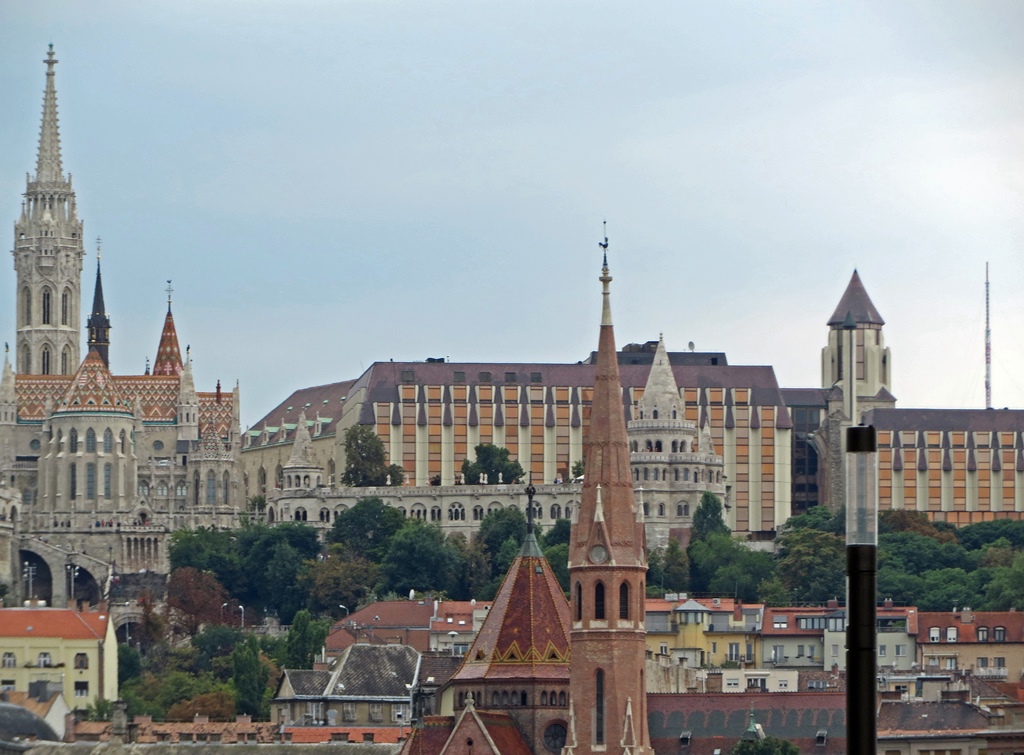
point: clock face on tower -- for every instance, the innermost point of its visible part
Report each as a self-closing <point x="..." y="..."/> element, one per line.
<point x="554" y="737"/>
<point x="598" y="554"/>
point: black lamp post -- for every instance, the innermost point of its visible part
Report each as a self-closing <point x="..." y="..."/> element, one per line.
<point x="861" y="569"/>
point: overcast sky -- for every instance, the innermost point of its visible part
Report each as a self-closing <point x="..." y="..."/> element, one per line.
<point x="330" y="184"/>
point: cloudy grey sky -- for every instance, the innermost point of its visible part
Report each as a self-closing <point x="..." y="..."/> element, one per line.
<point x="333" y="183"/>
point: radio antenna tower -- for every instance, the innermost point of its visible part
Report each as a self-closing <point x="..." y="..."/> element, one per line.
<point x="988" y="349"/>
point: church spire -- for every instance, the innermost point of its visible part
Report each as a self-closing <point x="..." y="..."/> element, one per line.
<point x="99" y="322"/>
<point x="168" y="354"/>
<point x="48" y="165"/>
<point x="607" y="569"/>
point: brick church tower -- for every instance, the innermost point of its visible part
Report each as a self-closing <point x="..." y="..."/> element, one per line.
<point x="607" y="572"/>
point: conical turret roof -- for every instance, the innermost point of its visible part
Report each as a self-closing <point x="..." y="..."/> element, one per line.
<point x="8" y="392"/>
<point x="661" y="393"/>
<point x="302" y="452"/>
<point x="857" y="304"/>
<point x="168" y="354"/>
<point x="526" y="632"/>
<point x="93" y="390"/>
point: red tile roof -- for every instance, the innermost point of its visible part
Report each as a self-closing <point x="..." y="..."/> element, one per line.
<point x="526" y="632"/>
<point x="319" y="734"/>
<point x="65" y="623"/>
<point x="168" y="354"/>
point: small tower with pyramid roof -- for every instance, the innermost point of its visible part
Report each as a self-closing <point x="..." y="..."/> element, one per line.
<point x="608" y="575"/>
<point x="856" y="371"/>
<point x="8" y="393"/>
<point x="48" y="253"/>
<point x="671" y="467"/>
<point x="519" y="661"/>
<point x="302" y="472"/>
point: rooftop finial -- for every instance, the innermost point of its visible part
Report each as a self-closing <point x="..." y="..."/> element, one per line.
<point x="169" y="292"/>
<point x="606" y="278"/>
<point x="530" y="491"/>
<point x="99" y="249"/>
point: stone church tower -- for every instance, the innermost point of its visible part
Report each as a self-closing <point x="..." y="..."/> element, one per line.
<point x="607" y="575"/>
<point x="48" y="253"/>
<point x="856" y="372"/>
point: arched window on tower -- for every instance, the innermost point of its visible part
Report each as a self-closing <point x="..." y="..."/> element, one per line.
<point x="90" y="441"/>
<point x="90" y="481"/>
<point x="73" y="480"/>
<point x="675" y="446"/>
<point x="654" y="414"/>
<point x="107" y="472"/>
<point x="624" y="600"/>
<point x="123" y="442"/>
<point x="211" y="488"/>
<point x="599" y="708"/>
<point x="46" y="361"/>
<point x="108" y="441"/>
<point x="73" y="441"/>
<point x="26" y="359"/>
<point x="26" y="307"/>
<point x="657" y="446"/>
<point x="686" y="475"/>
<point x="65" y="307"/>
<point x="676" y="474"/>
<point x="227" y="489"/>
<point x="636" y="475"/>
<point x="47" y="304"/>
<point x="579" y="593"/>
<point x="65" y="361"/>
<point x="661" y="509"/>
<point x="599" y="600"/>
<point x="655" y="474"/>
<point x="261" y="481"/>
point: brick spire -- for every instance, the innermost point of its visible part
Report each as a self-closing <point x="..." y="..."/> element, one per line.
<point x="607" y="571"/>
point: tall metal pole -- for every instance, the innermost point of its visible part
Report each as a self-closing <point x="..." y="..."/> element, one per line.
<point x="861" y="569"/>
<point x="988" y="349"/>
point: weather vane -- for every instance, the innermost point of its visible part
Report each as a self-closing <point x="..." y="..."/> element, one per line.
<point x="169" y="292"/>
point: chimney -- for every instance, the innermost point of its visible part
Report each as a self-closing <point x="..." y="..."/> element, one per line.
<point x="966" y="616"/>
<point x="887" y="603"/>
<point x="119" y="721"/>
<point x="737" y="611"/>
<point x="832" y="603"/>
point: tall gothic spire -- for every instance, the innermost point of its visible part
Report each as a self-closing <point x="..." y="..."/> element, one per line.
<point x="99" y="322"/>
<point x="48" y="253"/>
<point x="48" y="165"/>
<point x="607" y="569"/>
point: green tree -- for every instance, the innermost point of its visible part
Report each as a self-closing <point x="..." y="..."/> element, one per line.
<point x="366" y="529"/>
<point x="420" y="558"/>
<point x="766" y="746"/>
<point x="818" y="518"/>
<point x="300" y="642"/>
<point x="656" y="573"/>
<point x="707" y="519"/>
<point x="207" y="550"/>
<point x="496" y="528"/>
<point x="366" y="461"/>
<point x="281" y="576"/>
<point x="493" y="461"/>
<point x="475" y="568"/>
<point x="578" y="468"/>
<point x="101" y="710"/>
<point x="213" y="645"/>
<point x="676" y="565"/>
<point x="1005" y="590"/>
<point x="723" y="566"/>
<point x="558" y="558"/>
<point x="905" y="520"/>
<point x="129" y="664"/>
<point x="250" y="677"/>
<point x="338" y="580"/>
<point x="557" y="533"/>
<point x="811" y="564"/>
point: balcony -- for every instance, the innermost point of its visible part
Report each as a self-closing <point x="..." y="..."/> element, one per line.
<point x="991" y="672"/>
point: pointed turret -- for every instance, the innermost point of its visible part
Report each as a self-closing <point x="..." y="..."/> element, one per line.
<point x="856" y="304"/>
<point x="168" y="354"/>
<point x="48" y="253"/>
<point x="607" y="569"/>
<point x="302" y="472"/>
<point x="8" y="393"/>
<point x="188" y="403"/>
<point x="48" y="165"/>
<point x="99" y="323"/>
<point x="661" y="395"/>
<point x="94" y="390"/>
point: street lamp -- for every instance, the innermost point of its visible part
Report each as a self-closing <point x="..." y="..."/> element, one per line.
<point x="453" y="634"/>
<point x="861" y="570"/>
<point x="222" y="607"/>
<point x="343" y="608"/>
<point x="242" y="609"/>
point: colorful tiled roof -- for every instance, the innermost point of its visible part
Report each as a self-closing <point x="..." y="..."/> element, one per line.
<point x="168" y="354"/>
<point x="526" y="632"/>
<point x="93" y="389"/>
<point x="65" y="623"/>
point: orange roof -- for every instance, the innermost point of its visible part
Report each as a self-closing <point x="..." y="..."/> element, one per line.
<point x="39" y="707"/>
<point x="65" y="623"/>
<point x="168" y="355"/>
<point x="526" y="632"/>
<point x="318" y="734"/>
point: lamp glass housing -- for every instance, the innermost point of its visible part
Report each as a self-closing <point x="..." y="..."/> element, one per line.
<point x="861" y="487"/>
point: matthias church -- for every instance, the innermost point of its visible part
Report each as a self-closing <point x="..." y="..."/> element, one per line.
<point x="96" y="469"/>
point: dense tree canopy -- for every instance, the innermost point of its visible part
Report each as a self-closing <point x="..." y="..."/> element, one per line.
<point x="493" y="461"/>
<point x="420" y="558"/>
<point x="366" y="461"/>
<point x="707" y="518"/>
<point x="366" y="529"/>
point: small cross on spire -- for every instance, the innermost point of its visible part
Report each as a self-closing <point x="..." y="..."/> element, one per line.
<point x="169" y="292"/>
<point x="99" y="251"/>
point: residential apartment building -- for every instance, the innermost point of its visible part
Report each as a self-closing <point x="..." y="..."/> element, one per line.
<point x="74" y="650"/>
<point x="988" y="644"/>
